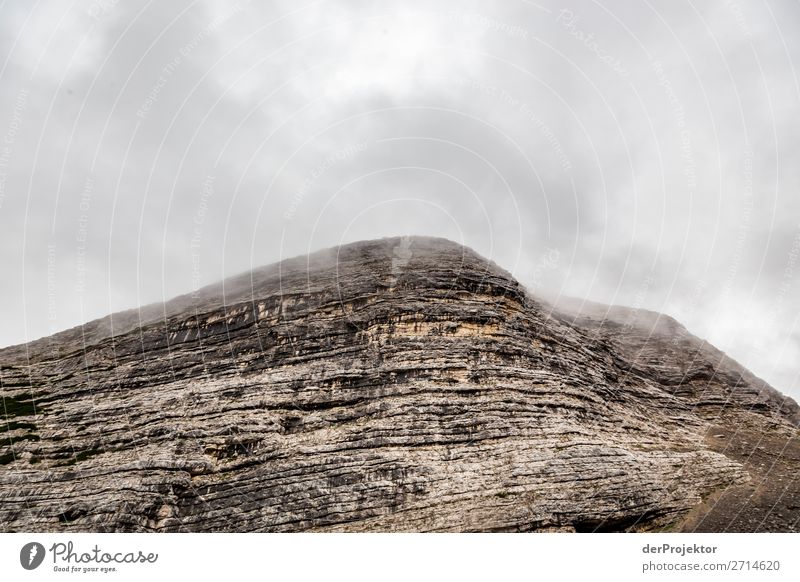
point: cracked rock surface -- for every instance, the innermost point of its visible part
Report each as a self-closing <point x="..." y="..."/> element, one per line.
<point x="404" y="384"/>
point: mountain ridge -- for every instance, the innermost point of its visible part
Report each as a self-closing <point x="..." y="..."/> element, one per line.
<point x="403" y="384"/>
<point x="208" y="296"/>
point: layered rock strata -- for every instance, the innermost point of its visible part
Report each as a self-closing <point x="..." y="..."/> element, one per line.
<point x="404" y="384"/>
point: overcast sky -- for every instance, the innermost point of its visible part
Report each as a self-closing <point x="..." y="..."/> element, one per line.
<point x="633" y="152"/>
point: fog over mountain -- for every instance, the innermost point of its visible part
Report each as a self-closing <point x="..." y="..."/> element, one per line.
<point x="639" y="154"/>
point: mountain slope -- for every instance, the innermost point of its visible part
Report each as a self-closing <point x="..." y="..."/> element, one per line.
<point x="404" y="384"/>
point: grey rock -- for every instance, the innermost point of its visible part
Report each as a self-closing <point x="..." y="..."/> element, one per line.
<point x="405" y="384"/>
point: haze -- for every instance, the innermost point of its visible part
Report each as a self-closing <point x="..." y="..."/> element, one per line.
<point x="634" y="153"/>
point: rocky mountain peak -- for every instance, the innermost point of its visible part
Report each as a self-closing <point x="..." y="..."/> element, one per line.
<point x="402" y="384"/>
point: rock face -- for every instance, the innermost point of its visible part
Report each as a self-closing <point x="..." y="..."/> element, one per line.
<point x="405" y="384"/>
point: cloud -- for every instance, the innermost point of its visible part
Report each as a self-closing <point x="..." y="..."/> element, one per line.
<point x="644" y="156"/>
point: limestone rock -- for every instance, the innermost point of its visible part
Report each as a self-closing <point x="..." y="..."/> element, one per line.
<point x="405" y="384"/>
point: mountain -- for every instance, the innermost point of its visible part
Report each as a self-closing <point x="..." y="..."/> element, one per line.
<point x="403" y="384"/>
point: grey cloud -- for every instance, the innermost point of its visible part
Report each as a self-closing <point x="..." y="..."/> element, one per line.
<point x="638" y="154"/>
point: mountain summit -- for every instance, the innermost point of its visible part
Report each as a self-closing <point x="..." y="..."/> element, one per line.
<point x="403" y="384"/>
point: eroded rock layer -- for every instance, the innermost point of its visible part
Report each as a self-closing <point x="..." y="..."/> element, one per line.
<point x="405" y="384"/>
